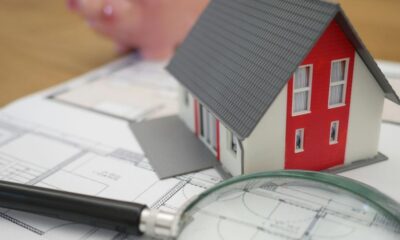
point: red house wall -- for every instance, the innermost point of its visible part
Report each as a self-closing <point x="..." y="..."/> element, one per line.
<point x="318" y="154"/>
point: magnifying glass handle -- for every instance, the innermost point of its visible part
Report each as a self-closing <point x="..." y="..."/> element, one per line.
<point x="125" y="217"/>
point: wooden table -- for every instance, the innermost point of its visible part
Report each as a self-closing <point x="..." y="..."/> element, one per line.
<point x="42" y="43"/>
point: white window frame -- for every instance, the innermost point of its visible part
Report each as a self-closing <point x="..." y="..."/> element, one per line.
<point x="336" y="140"/>
<point x="208" y="128"/>
<point x="213" y="132"/>
<point x="344" y="83"/>
<point x="232" y="141"/>
<point x="186" y="98"/>
<point x="309" y="88"/>
<point x="296" y="150"/>
<point x="201" y="121"/>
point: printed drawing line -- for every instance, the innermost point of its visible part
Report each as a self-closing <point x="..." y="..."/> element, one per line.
<point x="84" y="177"/>
<point x="66" y="141"/>
<point x="180" y="186"/>
<point x="137" y="159"/>
<point x="40" y="178"/>
<point x="331" y="211"/>
<point x="12" y="138"/>
<point x="196" y="185"/>
<point x="320" y="214"/>
<point x="16" y="168"/>
<point x="18" y="160"/>
<point x="302" y="205"/>
<point x="11" y="128"/>
<point x="96" y="74"/>
<point x="21" y="224"/>
<point x="147" y="189"/>
<point x="243" y="223"/>
<point x="61" y="101"/>
<point x="120" y="236"/>
<point x="161" y="201"/>
<point x="87" y="151"/>
<point x="89" y="233"/>
<point x="55" y="169"/>
<point x="148" y="75"/>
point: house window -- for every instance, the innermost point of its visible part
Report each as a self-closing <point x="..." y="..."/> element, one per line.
<point x="299" y="141"/>
<point x="302" y="90"/>
<point x="186" y="97"/>
<point x="334" y="132"/>
<point x="208" y="128"/>
<point x="337" y="90"/>
<point x="232" y="142"/>
<point x="201" y="118"/>
<point x="213" y="132"/>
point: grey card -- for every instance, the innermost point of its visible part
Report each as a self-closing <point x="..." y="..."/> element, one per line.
<point x="171" y="147"/>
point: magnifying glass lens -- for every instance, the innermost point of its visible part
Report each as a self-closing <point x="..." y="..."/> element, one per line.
<point x="285" y="208"/>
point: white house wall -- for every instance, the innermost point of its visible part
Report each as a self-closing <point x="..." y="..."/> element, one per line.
<point x="365" y="114"/>
<point x="186" y="112"/>
<point x="230" y="161"/>
<point x="265" y="148"/>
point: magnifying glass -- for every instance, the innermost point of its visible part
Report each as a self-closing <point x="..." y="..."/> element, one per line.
<point x="291" y="205"/>
<point x="271" y="205"/>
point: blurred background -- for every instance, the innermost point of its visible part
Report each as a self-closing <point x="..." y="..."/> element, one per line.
<point x="42" y="43"/>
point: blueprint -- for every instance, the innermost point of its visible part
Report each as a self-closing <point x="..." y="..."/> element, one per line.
<point x="44" y="156"/>
<point x="135" y="90"/>
<point x="78" y="140"/>
<point x="36" y="155"/>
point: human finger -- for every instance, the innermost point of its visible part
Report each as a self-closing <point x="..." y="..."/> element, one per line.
<point x="73" y="5"/>
<point x="90" y="9"/>
<point x="120" y="21"/>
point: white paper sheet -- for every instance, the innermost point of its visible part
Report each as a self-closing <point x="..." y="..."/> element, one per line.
<point x="47" y="143"/>
<point x="135" y="90"/>
<point x="34" y="154"/>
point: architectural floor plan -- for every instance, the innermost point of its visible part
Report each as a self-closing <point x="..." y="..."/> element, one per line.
<point x="78" y="140"/>
<point x="35" y="155"/>
<point x="135" y="90"/>
<point x="42" y="156"/>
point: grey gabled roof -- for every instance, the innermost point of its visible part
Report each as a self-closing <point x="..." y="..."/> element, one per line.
<point x="241" y="53"/>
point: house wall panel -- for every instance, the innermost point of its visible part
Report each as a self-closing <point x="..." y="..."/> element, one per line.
<point x="318" y="153"/>
<point x="186" y="112"/>
<point x="264" y="150"/>
<point x="365" y="114"/>
<point x="230" y="161"/>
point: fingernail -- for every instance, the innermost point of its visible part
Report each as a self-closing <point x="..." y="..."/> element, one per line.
<point x="108" y="11"/>
<point x="73" y="4"/>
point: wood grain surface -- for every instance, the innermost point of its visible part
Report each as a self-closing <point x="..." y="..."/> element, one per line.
<point x="42" y="43"/>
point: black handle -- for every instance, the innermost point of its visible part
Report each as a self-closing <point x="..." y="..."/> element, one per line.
<point x="104" y="213"/>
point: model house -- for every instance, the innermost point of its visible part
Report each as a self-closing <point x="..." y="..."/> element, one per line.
<point x="280" y="84"/>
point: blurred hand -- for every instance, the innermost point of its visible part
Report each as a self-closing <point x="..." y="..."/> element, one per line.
<point x="154" y="27"/>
